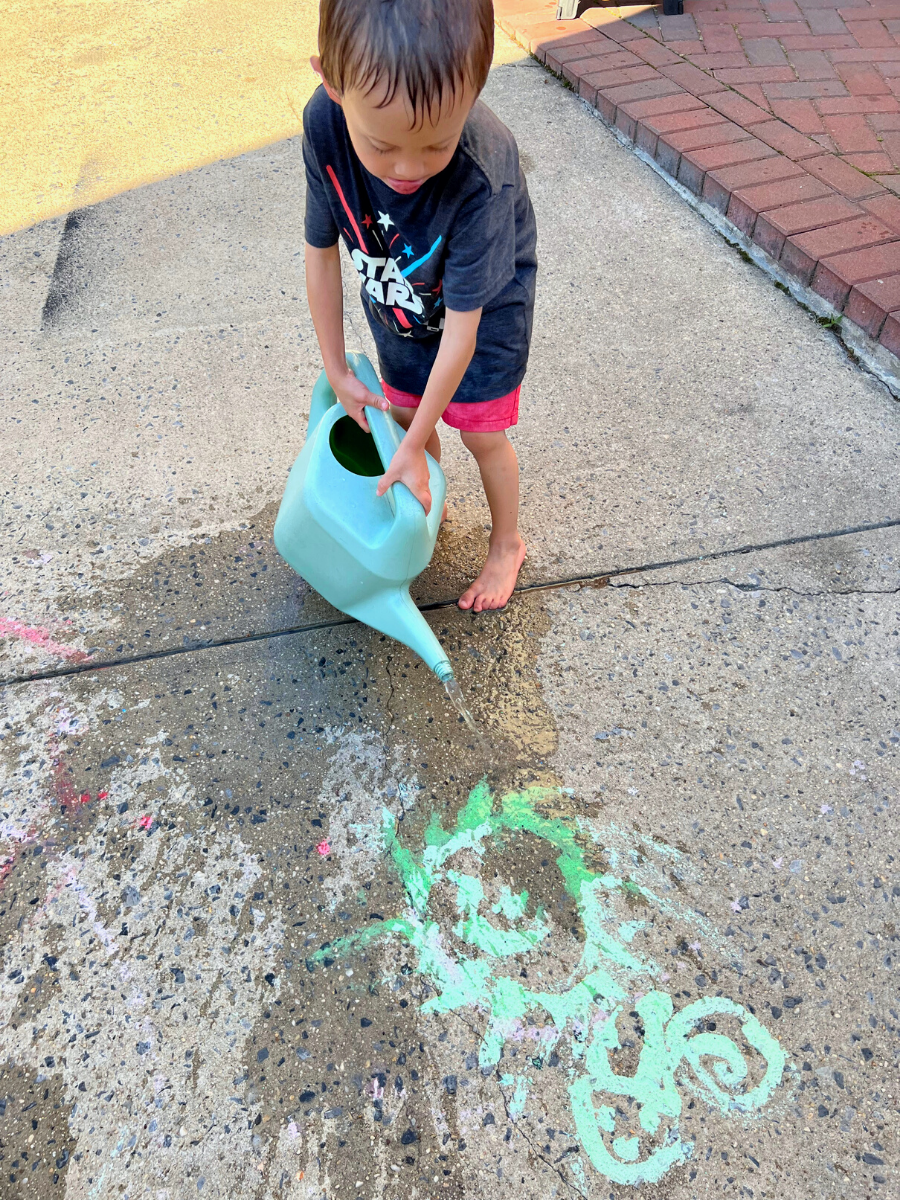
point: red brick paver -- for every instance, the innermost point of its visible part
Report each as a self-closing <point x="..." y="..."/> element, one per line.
<point x="782" y="114"/>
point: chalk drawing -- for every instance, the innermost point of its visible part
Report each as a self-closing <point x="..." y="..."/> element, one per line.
<point x="680" y="1051"/>
<point x="40" y="637"/>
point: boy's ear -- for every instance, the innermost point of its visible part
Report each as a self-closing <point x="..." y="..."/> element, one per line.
<point x="316" y="63"/>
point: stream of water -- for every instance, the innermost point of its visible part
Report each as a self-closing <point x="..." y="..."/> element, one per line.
<point x="456" y="698"/>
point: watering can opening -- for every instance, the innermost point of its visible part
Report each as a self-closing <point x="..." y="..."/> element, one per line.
<point x="355" y="449"/>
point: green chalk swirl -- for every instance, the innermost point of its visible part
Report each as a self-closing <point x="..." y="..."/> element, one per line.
<point x="679" y="1050"/>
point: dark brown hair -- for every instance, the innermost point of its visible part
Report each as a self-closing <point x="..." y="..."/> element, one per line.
<point x="429" y="48"/>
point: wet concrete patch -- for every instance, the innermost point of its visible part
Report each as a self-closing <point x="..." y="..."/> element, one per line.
<point x="180" y="837"/>
<point x="226" y="587"/>
<point x="36" y="1140"/>
<point x="210" y="589"/>
<point x="227" y="914"/>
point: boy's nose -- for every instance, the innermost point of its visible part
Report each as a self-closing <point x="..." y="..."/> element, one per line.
<point x="409" y="172"/>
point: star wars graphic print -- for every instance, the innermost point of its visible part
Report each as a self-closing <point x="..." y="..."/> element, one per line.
<point x="388" y="281"/>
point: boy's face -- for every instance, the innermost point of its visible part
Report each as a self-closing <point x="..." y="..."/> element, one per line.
<point x="389" y="142"/>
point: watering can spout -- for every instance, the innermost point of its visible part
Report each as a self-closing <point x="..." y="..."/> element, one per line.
<point x="393" y="612"/>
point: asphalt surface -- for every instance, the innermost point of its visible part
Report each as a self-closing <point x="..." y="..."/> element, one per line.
<point x="274" y="924"/>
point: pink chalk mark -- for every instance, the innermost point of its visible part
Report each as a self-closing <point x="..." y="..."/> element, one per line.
<point x="324" y="848"/>
<point x="146" y="821"/>
<point x="65" y="789"/>
<point x="41" y="638"/>
<point x="7" y="865"/>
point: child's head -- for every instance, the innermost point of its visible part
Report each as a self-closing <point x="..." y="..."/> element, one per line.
<point x="406" y="73"/>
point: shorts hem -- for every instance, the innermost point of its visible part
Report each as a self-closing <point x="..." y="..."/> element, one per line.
<point x="486" y="425"/>
<point x="487" y="416"/>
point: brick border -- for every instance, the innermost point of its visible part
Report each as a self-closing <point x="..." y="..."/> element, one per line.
<point x="832" y="232"/>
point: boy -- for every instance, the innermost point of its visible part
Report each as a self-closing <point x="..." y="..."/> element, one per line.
<point x="424" y="184"/>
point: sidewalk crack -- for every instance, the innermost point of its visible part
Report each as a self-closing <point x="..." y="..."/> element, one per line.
<point x="595" y="579"/>
<point x="536" y="1150"/>
<point x="756" y="587"/>
<point x="390" y="696"/>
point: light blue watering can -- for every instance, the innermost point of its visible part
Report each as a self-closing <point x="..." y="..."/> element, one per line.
<point x="358" y="550"/>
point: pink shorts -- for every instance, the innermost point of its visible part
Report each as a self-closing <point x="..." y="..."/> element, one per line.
<point x="485" y="416"/>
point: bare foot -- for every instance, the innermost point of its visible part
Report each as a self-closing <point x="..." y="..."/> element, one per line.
<point x="495" y="584"/>
<point x="444" y="513"/>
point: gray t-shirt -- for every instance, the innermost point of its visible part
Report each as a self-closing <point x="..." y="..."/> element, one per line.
<point x="466" y="239"/>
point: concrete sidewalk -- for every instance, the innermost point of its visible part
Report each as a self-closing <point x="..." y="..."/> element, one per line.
<point x="230" y="964"/>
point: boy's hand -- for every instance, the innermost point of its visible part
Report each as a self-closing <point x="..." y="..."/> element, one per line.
<point x="408" y="466"/>
<point x="354" y="396"/>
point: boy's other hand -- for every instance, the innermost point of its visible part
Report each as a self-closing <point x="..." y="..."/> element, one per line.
<point x="354" y="396"/>
<point x="408" y="466"/>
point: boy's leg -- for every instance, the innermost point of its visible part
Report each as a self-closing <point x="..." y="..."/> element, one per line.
<point x="404" y="416"/>
<point x="499" y="469"/>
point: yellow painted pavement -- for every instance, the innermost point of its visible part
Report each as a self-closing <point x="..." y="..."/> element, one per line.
<point x="99" y="96"/>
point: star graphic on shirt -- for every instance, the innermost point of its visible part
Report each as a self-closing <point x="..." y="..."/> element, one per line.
<point x="367" y="221"/>
<point x="384" y="220"/>
<point x="408" y="250"/>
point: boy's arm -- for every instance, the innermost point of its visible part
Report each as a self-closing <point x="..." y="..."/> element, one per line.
<point x="457" y="346"/>
<point x="325" y="296"/>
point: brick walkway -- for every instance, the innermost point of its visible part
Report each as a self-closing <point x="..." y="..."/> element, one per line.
<point x="782" y="114"/>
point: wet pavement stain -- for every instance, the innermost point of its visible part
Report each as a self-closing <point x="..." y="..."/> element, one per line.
<point x="36" y="1141"/>
<point x="183" y="893"/>
<point x="205" y="589"/>
<point x="211" y="587"/>
<point x="211" y="844"/>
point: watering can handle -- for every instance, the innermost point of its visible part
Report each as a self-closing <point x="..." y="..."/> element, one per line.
<point x="385" y="431"/>
<point x="387" y="435"/>
<point x="323" y="399"/>
<point x="384" y="428"/>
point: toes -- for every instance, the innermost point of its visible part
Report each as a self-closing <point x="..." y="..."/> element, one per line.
<point x="479" y="601"/>
<point x="471" y="597"/>
<point x="480" y="598"/>
<point x="486" y="603"/>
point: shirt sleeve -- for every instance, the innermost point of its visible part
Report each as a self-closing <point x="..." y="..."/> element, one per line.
<point x="320" y="228"/>
<point x="481" y="250"/>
